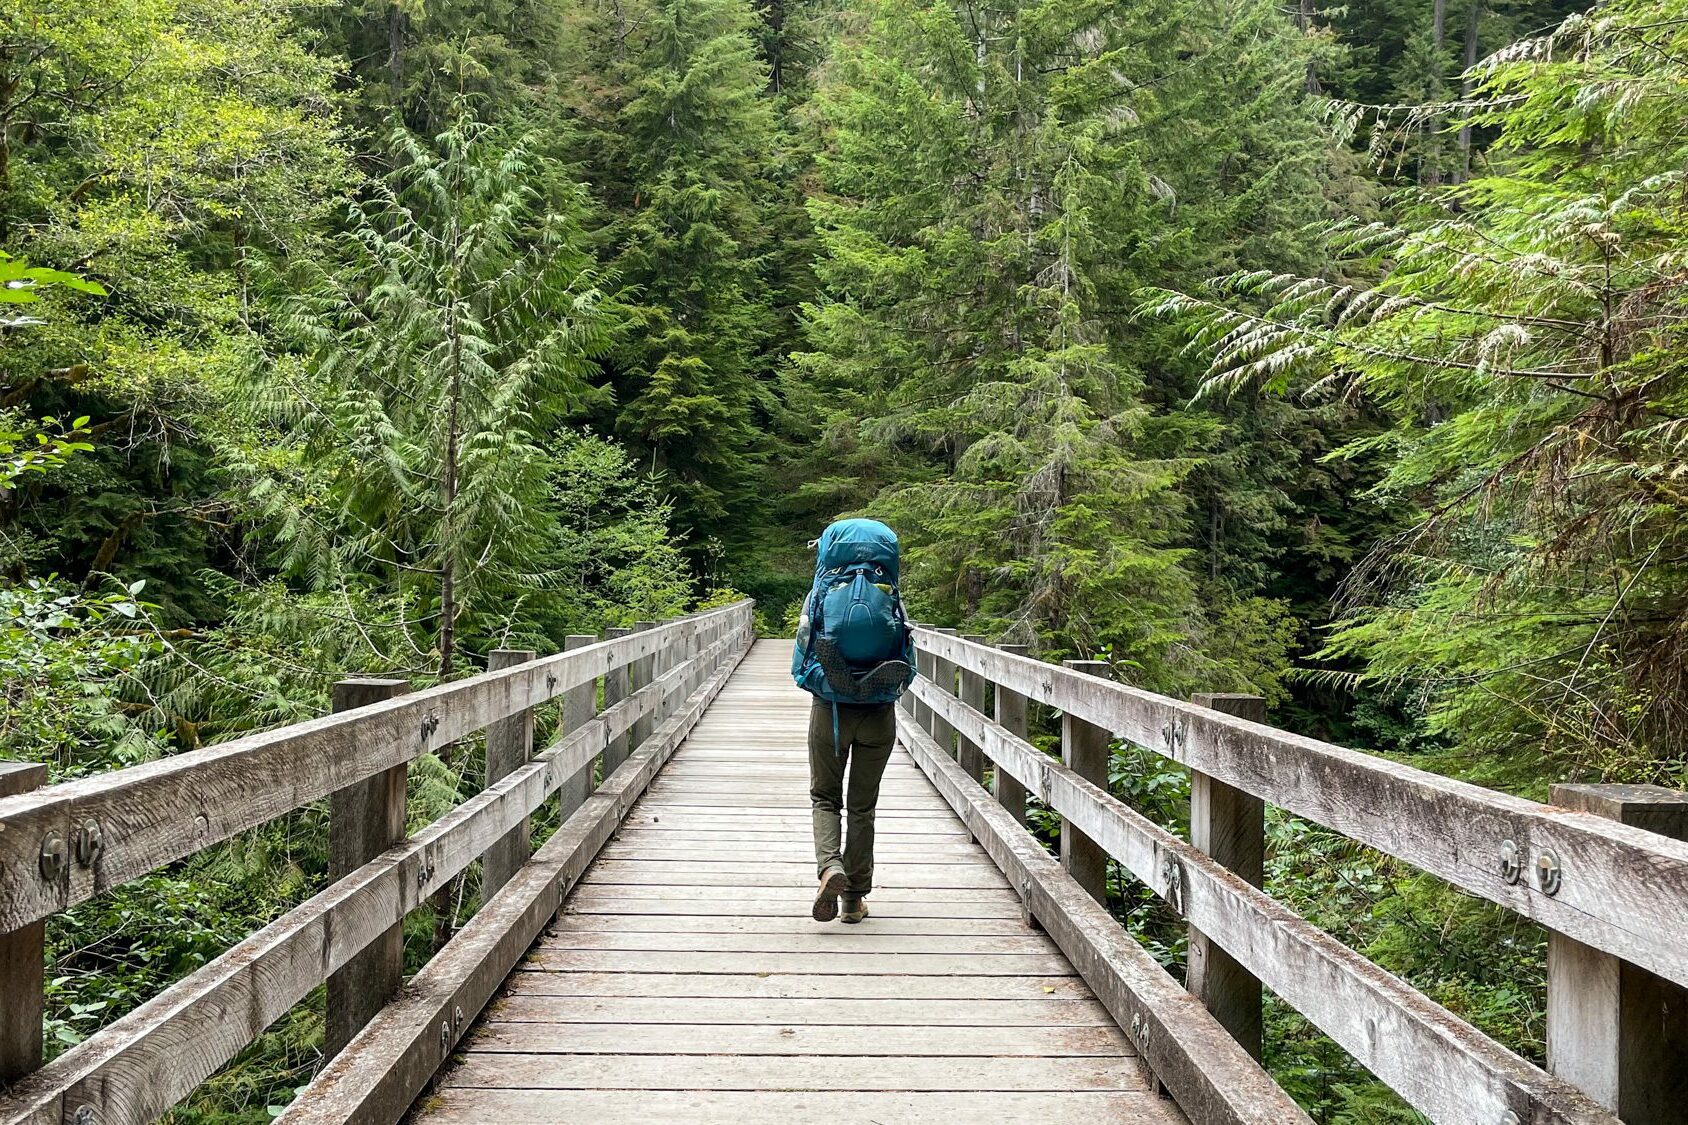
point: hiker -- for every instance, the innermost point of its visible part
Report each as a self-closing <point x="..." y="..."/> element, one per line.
<point x="855" y="655"/>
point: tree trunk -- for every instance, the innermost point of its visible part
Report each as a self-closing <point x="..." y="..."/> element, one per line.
<point x="1304" y="20"/>
<point x="1474" y="13"/>
<point x="1432" y="171"/>
<point x="395" y="55"/>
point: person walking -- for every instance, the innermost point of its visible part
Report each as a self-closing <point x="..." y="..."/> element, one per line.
<point x="855" y="654"/>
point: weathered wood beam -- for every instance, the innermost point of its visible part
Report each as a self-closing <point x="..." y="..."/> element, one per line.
<point x="1084" y="749"/>
<point x="1442" y="1065"/>
<point x="378" y="1077"/>
<point x="1229" y="825"/>
<point x="579" y="705"/>
<point x="161" y="811"/>
<point x="509" y="746"/>
<point x="1212" y="1079"/>
<point x="1630" y="896"/>
<point x="22" y="955"/>
<point x="1010" y="716"/>
<point x="618" y="684"/>
<point x="1614" y="1029"/>
<point x="364" y="820"/>
<point x="142" y="1064"/>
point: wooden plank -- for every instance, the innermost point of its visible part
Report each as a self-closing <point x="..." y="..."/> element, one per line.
<point x="835" y="1012"/>
<point x="509" y="746"/>
<point x="778" y="874"/>
<point x="1389" y="1027"/>
<point x="515" y="1071"/>
<point x="972" y="693"/>
<point x="533" y="981"/>
<point x="943" y="678"/>
<point x="643" y="670"/>
<point x="697" y="1107"/>
<point x="364" y="820"/>
<point x="389" y="1062"/>
<point x="894" y="964"/>
<point x="573" y="922"/>
<point x="144" y="1062"/>
<point x="786" y="903"/>
<point x="1211" y="1077"/>
<point x="1229" y="825"/>
<point x="1010" y="712"/>
<point x="1631" y="896"/>
<point x="902" y="1041"/>
<point x="22" y="958"/>
<point x="1614" y="1029"/>
<point x="893" y="899"/>
<point x="1085" y="748"/>
<point x="163" y="810"/>
<point x="820" y="940"/>
<point x="618" y="685"/>
<point x="579" y="705"/>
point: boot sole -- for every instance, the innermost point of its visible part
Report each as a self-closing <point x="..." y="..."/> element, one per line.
<point x="826" y="897"/>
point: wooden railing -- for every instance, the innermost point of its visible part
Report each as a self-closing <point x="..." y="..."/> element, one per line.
<point x="63" y="844"/>
<point x="1613" y="896"/>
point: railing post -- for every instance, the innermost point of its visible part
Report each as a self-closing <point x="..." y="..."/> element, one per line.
<point x="22" y="959"/>
<point x="923" y="664"/>
<point x="617" y="686"/>
<point x="509" y="747"/>
<point x="1229" y="825"/>
<point x="579" y="705"/>
<point x="943" y="676"/>
<point x="364" y="820"/>
<point x="972" y="758"/>
<point x="1614" y="1029"/>
<point x="644" y="670"/>
<point x="1084" y="748"/>
<point x="1010" y="716"/>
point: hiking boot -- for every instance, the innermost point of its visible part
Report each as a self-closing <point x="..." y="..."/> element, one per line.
<point x="854" y="909"/>
<point x="826" y="895"/>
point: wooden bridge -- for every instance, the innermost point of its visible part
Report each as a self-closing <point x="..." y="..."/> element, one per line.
<point x="653" y="956"/>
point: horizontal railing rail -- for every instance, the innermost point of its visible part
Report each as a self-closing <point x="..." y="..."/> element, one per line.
<point x="1439" y="1063"/>
<point x="135" y="1069"/>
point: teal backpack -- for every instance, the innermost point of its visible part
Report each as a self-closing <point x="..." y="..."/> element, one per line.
<point x="854" y="644"/>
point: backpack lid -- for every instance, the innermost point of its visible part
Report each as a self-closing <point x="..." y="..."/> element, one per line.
<point x="857" y="541"/>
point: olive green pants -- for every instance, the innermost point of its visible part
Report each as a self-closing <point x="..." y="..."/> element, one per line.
<point x="865" y="737"/>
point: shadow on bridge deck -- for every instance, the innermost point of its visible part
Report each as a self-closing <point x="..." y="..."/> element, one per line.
<point x="685" y="981"/>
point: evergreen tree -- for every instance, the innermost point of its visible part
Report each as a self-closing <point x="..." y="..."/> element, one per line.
<point x="1521" y="334"/>
<point x="684" y="134"/>
<point x="994" y="185"/>
<point x="462" y="324"/>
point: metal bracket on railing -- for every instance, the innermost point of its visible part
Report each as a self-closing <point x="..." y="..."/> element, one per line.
<point x="1173" y="734"/>
<point x="1173" y="874"/>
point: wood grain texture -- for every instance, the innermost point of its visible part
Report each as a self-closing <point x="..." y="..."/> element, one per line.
<point x="386" y="1066"/>
<point x="476" y="1105"/>
<point x="141" y="1064"/>
<point x="1229" y="825"/>
<point x="973" y="691"/>
<point x="1447" y="1069"/>
<point x="1631" y="894"/>
<point x="1210" y="1076"/>
<point x="161" y="811"/>
<point x="22" y="960"/>
<point x="364" y="820"/>
<point x="1615" y="1029"/>
<point x="1084" y="749"/>
<point x="1010" y="712"/>
<point x="579" y="705"/>
<point x="509" y="746"/>
<point x="685" y="960"/>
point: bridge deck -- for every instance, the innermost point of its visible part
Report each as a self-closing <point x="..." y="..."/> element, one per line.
<point x="684" y="979"/>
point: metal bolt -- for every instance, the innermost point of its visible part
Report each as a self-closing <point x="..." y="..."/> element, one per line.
<point x="422" y="875"/>
<point x="445" y="1037"/>
<point x="1174" y="875"/>
<point x="550" y="681"/>
<point x="201" y="824"/>
<point x="90" y="842"/>
<point x="1511" y="864"/>
<point x="1548" y="873"/>
<point x="457" y="1016"/>
<point x="430" y="724"/>
<point x="1509" y="1118"/>
<point x="55" y="855"/>
<point x="85" y="1115"/>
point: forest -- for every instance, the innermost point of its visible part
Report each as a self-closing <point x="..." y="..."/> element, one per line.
<point x="1335" y="355"/>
